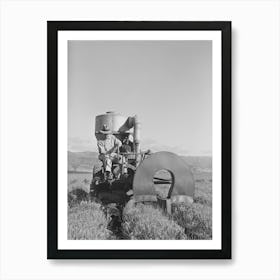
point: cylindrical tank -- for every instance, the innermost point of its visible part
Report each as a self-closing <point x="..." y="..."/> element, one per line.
<point x="111" y="119"/>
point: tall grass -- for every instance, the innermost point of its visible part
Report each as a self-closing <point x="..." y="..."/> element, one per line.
<point x="203" y="193"/>
<point x="195" y="218"/>
<point x="144" y="222"/>
<point x="86" y="220"/>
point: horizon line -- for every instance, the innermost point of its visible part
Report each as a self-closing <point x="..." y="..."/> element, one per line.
<point x="185" y="155"/>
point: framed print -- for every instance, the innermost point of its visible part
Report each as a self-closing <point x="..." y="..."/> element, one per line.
<point x="139" y="140"/>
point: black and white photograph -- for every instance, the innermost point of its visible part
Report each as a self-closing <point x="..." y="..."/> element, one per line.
<point x="139" y="140"/>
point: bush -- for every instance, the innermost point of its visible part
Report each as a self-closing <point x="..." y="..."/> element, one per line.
<point x="145" y="222"/>
<point x="87" y="221"/>
<point x="76" y="196"/>
<point x="195" y="218"/>
<point x="203" y="194"/>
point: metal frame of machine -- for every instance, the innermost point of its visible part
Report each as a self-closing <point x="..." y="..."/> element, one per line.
<point x="140" y="160"/>
<point x="137" y="185"/>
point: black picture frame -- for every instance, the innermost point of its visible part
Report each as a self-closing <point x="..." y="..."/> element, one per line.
<point x="52" y="88"/>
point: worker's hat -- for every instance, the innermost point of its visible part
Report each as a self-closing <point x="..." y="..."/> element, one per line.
<point x="105" y="130"/>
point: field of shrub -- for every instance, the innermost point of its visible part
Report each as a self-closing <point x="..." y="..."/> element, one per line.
<point x="87" y="221"/>
<point x="90" y="220"/>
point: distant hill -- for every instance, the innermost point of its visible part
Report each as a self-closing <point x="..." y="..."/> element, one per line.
<point x="199" y="163"/>
<point x="84" y="162"/>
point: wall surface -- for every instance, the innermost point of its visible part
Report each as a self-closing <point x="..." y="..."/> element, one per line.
<point x="255" y="151"/>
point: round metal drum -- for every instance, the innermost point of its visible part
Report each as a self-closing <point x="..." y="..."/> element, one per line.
<point x="183" y="181"/>
<point x="111" y="119"/>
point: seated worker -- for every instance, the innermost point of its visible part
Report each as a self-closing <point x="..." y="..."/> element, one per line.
<point x="107" y="150"/>
<point x="126" y="149"/>
<point x="127" y="144"/>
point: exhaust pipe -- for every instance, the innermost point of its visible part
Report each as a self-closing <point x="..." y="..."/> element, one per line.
<point x="136" y="135"/>
<point x="133" y="122"/>
<point x="137" y="139"/>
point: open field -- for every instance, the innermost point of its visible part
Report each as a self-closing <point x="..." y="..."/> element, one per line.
<point x="89" y="220"/>
<point x="79" y="181"/>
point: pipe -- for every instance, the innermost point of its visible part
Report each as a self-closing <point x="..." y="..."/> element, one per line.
<point x="136" y="135"/>
<point x="135" y="123"/>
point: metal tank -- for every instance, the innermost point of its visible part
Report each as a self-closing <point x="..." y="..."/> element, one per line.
<point x="113" y="120"/>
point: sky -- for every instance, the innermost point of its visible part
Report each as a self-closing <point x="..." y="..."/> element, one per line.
<point x="168" y="84"/>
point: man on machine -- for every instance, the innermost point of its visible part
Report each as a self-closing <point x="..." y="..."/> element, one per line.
<point x="108" y="148"/>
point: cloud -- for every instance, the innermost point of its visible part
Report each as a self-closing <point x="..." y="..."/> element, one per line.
<point x="77" y="144"/>
<point x="155" y="146"/>
<point x="148" y="141"/>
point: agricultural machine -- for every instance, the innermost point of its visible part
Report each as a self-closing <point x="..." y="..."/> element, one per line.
<point x="134" y="177"/>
